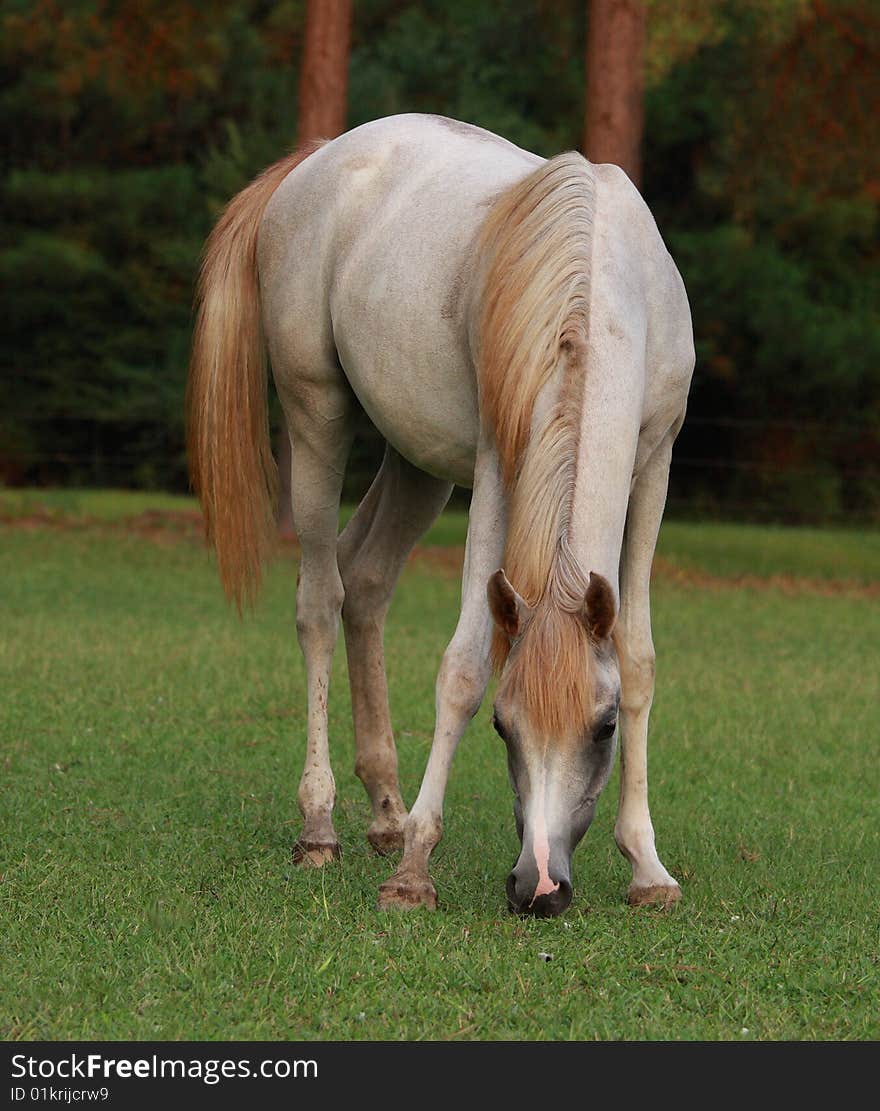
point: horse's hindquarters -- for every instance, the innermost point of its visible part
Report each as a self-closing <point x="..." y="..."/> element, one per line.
<point x="400" y="330"/>
<point x="366" y="261"/>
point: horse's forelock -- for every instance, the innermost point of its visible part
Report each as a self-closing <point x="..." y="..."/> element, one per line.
<point x="549" y="675"/>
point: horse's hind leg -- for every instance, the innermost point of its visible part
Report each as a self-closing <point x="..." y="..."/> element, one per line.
<point x="318" y="420"/>
<point x="633" y="831"/>
<point x="399" y="507"/>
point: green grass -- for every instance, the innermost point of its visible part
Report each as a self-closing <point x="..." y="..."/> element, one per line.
<point x="846" y="555"/>
<point x="98" y="505"/>
<point x="151" y="745"/>
<point x="727" y="550"/>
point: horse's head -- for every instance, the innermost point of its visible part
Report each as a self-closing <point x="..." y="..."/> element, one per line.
<point x="556" y="711"/>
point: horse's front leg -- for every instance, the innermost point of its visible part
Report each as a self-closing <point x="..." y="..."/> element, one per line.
<point x="461" y="683"/>
<point x="633" y="831"/>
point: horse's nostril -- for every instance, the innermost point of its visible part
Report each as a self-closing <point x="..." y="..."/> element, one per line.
<point x="513" y="898"/>
<point x="563" y="897"/>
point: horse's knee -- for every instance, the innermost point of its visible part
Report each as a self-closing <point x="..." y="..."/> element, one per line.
<point x="462" y="683"/>
<point x="638" y="668"/>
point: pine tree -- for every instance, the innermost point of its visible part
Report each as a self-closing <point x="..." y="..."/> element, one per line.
<point x="323" y="89"/>
<point x="615" y="84"/>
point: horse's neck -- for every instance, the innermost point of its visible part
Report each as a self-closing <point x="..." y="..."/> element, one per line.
<point x="610" y="420"/>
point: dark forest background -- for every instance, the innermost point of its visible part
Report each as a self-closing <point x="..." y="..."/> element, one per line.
<point x="127" y="125"/>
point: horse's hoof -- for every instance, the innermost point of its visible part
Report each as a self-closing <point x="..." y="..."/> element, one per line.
<point x="315" y="854"/>
<point x="405" y="894"/>
<point x="660" y="895"/>
<point x="385" y="839"/>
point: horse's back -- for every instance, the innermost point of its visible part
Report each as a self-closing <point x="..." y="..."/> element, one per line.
<point x="365" y="257"/>
<point x="366" y="252"/>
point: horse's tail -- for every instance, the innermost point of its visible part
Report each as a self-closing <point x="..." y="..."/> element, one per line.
<point x="230" y="457"/>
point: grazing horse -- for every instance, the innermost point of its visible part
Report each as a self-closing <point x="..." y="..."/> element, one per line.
<point x="510" y="324"/>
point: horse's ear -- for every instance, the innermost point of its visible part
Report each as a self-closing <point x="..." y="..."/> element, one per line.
<point x="508" y="609"/>
<point x="600" y="609"/>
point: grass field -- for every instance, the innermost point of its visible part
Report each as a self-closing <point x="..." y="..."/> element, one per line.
<point x="151" y="743"/>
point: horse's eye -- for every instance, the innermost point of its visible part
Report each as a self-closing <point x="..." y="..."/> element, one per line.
<point x="499" y="728"/>
<point x="606" y="730"/>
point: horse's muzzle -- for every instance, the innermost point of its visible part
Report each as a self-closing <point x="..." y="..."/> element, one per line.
<point x="521" y="897"/>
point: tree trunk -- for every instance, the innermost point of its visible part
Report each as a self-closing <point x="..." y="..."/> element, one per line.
<point x="323" y="92"/>
<point x="615" y="84"/>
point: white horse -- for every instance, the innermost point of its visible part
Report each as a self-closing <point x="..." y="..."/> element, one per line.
<point x="510" y="324"/>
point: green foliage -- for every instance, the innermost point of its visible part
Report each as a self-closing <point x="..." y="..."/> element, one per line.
<point x="515" y="69"/>
<point x="760" y="170"/>
<point x="130" y="124"/>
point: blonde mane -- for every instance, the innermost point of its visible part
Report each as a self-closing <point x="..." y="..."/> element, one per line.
<point x="536" y="244"/>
